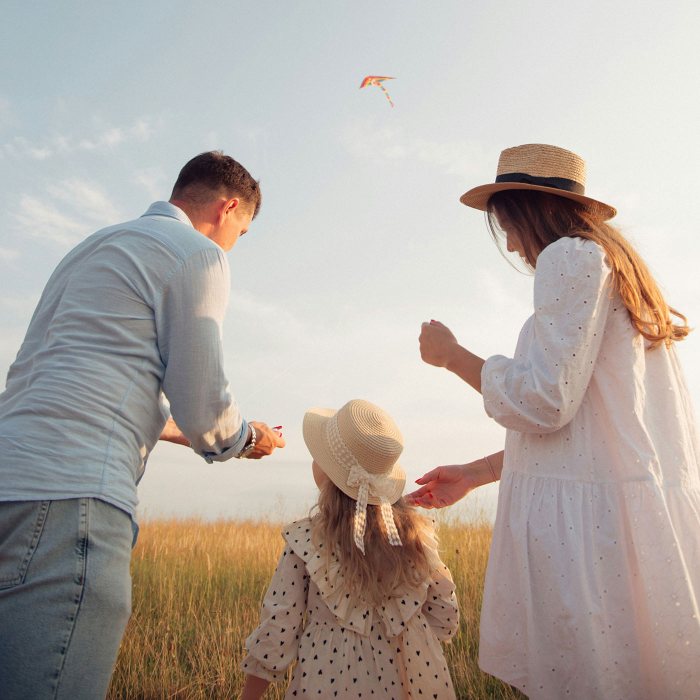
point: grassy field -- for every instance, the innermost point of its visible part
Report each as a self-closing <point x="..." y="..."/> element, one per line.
<point x="197" y="590"/>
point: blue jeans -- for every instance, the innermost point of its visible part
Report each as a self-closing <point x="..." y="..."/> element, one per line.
<point x="65" y="597"/>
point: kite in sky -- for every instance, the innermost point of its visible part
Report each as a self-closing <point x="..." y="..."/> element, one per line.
<point x="377" y="81"/>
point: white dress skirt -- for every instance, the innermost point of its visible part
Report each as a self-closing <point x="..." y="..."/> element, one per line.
<point x="593" y="583"/>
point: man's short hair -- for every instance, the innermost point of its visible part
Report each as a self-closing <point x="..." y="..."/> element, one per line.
<point x="211" y="174"/>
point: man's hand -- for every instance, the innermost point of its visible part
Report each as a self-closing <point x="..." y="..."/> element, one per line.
<point x="437" y="344"/>
<point x="267" y="440"/>
<point x="171" y="433"/>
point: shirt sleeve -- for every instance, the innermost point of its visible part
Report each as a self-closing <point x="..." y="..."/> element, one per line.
<point x="542" y="388"/>
<point x="274" y="644"/>
<point x="189" y="323"/>
<point x="440" y="608"/>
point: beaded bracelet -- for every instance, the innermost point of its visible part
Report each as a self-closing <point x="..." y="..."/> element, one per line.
<point x="251" y="445"/>
<point x="490" y="466"/>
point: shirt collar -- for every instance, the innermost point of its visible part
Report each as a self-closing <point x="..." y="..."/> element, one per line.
<point x="169" y="210"/>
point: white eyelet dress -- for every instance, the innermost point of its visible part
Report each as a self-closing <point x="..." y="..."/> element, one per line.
<point x="593" y="583"/>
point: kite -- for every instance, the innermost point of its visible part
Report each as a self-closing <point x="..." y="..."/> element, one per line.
<point x="377" y="80"/>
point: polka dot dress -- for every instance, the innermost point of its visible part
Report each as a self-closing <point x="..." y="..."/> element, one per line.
<point x="593" y="583"/>
<point x="342" y="648"/>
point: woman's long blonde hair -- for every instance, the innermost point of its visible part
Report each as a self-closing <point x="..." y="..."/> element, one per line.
<point x="538" y="219"/>
<point x="384" y="568"/>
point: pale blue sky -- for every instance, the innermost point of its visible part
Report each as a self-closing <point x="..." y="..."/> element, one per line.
<point x="361" y="235"/>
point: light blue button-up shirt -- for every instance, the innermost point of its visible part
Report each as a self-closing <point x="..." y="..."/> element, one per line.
<point x="131" y="316"/>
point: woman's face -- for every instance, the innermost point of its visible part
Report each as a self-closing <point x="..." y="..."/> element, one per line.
<point x="513" y="244"/>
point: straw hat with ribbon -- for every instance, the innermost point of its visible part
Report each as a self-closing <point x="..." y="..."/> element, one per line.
<point x="357" y="447"/>
<point x="537" y="166"/>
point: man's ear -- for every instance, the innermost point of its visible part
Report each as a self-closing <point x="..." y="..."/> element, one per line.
<point x="232" y="204"/>
<point x="226" y="207"/>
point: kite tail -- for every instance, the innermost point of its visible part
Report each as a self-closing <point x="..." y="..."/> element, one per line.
<point x="383" y="89"/>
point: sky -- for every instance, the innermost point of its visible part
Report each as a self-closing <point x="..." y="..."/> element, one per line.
<point x="361" y="236"/>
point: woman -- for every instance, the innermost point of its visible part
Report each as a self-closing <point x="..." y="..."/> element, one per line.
<point x="593" y="583"/>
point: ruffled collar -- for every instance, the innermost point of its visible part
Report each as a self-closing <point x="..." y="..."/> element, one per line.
<point x="342" y="600"/>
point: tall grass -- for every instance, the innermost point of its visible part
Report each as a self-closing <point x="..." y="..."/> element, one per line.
<point x="197" y="589"/>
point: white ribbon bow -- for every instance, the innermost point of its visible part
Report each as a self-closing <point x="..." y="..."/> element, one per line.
<point x="380" y="487"/>
<point x="377" y="485"/>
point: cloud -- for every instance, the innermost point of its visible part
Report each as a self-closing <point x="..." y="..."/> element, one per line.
<point x="105" y="139"/>
<point x="368" y="141"/>
<point x="141" y="131"/>
<point x="153" y="181"/>
<point x="41" y="218"/>
<point x="245" y="304"/>
<point x="8" y="254"/>
<point x="19" y="147"/>
<point x="16" y="312"/>
<point x="88" y="199"/>
<point x="18" y="306"/>
<point x="7" y="117"/>
<point x="67" y="213"/>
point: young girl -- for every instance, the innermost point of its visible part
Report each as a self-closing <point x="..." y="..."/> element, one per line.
<point x="360" y="598"/>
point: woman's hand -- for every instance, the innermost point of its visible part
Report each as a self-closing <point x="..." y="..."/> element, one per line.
<point x="437" y="344"/>
<point x="441" y="487"/>
<point x="439" y="347"/>
<point x="444" y="486"/>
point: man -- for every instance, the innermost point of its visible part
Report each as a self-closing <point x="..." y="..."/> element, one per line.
<point x="131" y="316"/>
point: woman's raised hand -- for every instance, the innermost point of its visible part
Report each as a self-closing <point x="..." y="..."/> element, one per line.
<point x="437" y="343"/>
<point x="439" y="347"/>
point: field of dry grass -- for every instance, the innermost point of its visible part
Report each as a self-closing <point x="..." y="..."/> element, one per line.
<point x="197" y="589"/>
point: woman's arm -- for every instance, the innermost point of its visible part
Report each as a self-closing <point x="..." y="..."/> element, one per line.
<point x="543" y="386"/>
<point x="439" y="347"/>
<point x="444" y="486"/>
<point x="171" y="433"/>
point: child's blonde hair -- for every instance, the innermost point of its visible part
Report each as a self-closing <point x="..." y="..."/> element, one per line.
<point x="383" y="569"/>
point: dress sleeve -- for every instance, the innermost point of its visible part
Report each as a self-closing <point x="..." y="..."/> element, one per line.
<point x="189" y="321"/>
<point x="541" y="389"/>
<point x="273" y="646"/>
<point x="440" y="608"/>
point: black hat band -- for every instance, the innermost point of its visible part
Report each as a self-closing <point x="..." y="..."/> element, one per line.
<point x="559" y="183"/>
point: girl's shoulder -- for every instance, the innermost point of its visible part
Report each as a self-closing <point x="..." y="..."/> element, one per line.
<point x="427" y="528"/>
<point x="297" y="536"/>
<point x="298" y="533"/>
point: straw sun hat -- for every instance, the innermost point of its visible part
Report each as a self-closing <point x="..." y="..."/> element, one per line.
<point x="537" y="166"/>
<point x="358" y="447"/>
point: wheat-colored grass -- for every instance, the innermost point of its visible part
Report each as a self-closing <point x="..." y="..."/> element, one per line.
<point x="197" y="589"/>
